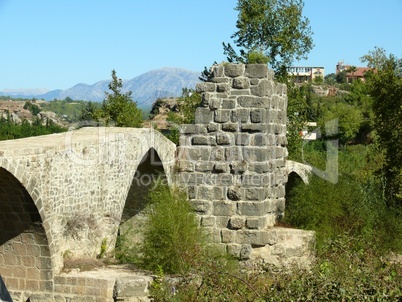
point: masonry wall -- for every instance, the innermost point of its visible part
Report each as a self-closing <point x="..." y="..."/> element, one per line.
<point x="232" y="161"/>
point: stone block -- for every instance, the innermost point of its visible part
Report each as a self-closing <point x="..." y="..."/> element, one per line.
<point x="215" y="103"/>
<point x="218" y="154"/>
<point x="253" y="102"/>
<point x="238" y="167"/>
<point x="241" y="83"/>
<point x="193" y="129"/>
<point x="221" y="79"/>
<point x="203" y="115"/>
<point x="258" y="115"/>
<point x="218" y="193"/>
<point x="204" y="192"/>
<point x="255" y="154"/>
<point x="263" y="89"/>
<point x="223" y="208"/>
<point x="203" y="140"/>
<point x="242" y="139"/>
<point x="260" y="140"/>
<point x="234" y="193"/>
<point x="227" y="236"/>
<point x="252" y="208"/>
<point x="256" y="223"/>
<point x="185" y="165"/>
<point x="202" y="206"/>
<point x="245" y="252"/>
<point x="222" y="222"/>
<point x="240" y="115"/>
<point x="205" y="87"/>
<point x="234" y="70"/>
<point x="233" y="154"/>
<point x="252" y="128"/>
<point x="204" y="166"/>
<point x="222" y="116"/>
<point x="221" y="167"/>
<point x="192" y="192"/>
<point x="234" y="250"/>
<point x="230" y="127"/>
<point x="208" y="221"/>
<point x="217" y="71"/>
<point x="133" y="286"/>
<point x="228" y="104"/>
<point x="269" y="237"/>
<point x="254" y="194"/>
<point x="222" y="87"/>
<point x="256" y="70"/>
<point x="259" y="167"/>
<point x="236" y="222"/>
<point x="212" y="127"/>
<point x="224" y="138"/>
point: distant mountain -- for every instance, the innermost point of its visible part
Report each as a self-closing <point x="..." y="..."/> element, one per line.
<point x="146" y="88"/>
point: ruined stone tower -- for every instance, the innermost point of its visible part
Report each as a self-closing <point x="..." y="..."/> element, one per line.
<point x="233" y="163"/>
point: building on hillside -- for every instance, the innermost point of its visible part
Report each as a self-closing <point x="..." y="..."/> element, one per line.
<point x="352" y="72"/>
<point x="306" y="74"/>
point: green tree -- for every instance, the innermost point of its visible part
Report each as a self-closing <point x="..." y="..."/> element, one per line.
<point x="385" y="86"/>
<point x="118" y="108"/>
<point x="275" y="28"/>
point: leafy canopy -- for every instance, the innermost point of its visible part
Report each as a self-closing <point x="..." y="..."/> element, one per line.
<point x="118" y="108"/>
<point x="275" y="28"/>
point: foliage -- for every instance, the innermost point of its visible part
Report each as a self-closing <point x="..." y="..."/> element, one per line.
<point x="186" y="106"/>
<point x="118" y="108"/>
<point x="274" y="28"/>
<point x="173" y="240"/>
<point x="299" y="98"/>
<point x="353" y="206"/>
<point x="185" y="113"/>
<point x="31" y="107"/>
<point x="385" y="87"/>
<point x="13" y="130"/>
<point x="69" y="109"/>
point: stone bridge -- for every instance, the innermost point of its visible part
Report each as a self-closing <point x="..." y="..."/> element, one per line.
<point x="67" y="194"/>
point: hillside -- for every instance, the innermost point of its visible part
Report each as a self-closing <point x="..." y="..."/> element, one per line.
<point x="145" y="88"/>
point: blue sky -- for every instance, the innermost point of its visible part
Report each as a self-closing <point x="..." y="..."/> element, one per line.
<point x="57" y="44"/>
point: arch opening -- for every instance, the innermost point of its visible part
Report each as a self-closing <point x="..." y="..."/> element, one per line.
<point x="25" y="261"/>
<point x="150" y="172"/>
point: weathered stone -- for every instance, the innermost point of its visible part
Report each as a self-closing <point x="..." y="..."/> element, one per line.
<point x="222" y="87"/>
<point x="257" y="223"/>
<point x="228" y="104"/>
<point x="242" y="139"/>
<point x="245" y="251"/>
<point x="203" y="116"/>
<point x="228" y="236"/>
<point x="236" y="222"/>
<point x="258" y="115"/>
<point x="264" y="88"/>
<point x="222" y="115"/>
<point x="250" y="208"/>
<point x="203" y="140"/>
<point x="253" y="101"/>
<point x="256" y="70"/>
<point x="220" y="167"/>
<point x="234" y="193"/>
<point x="223" y="208"/>
<point x="230" y="127"/>
<point x="241" y="83"/>
<point x="205" y="87"/>
<point x="224" y="138"/>
<point x="240" y="115"/>
<point x="234" y="70"/>
<point x="217" y="71"/>
<point x="208" y="221"/>
<point x="212" y="127"/>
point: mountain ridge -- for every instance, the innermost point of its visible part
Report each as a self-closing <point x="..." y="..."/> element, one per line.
<point x="146" y="88"/>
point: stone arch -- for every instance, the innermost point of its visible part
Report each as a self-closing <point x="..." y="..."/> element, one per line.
<point x="149" y="170"/>
<point x="302" y="170"/>
<point x="25" y="257"/>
